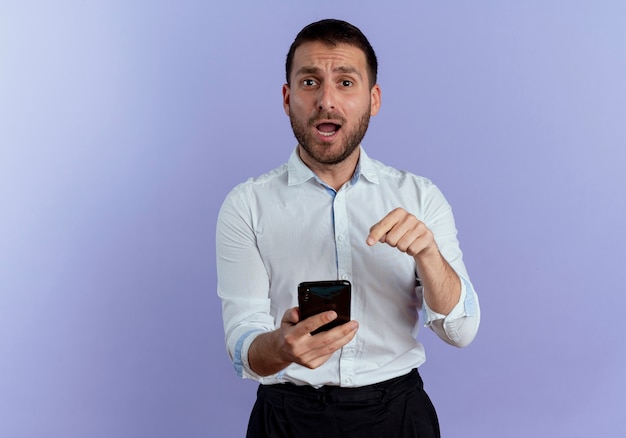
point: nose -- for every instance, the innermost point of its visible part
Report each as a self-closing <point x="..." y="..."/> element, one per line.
<point x="326" y="97"/>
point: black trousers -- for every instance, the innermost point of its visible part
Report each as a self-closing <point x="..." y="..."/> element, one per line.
<point x="395" y="408"/>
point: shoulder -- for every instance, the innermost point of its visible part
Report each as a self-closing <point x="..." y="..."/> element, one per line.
<point x="273" y="179"/>
<point x="402" y="187"/>
<point x="244" y="201"/>
<point x="391" y="175"/>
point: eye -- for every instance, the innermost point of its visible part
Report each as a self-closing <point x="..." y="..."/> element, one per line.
<point x="346" y="83"/>
<point x="308" y="82"/>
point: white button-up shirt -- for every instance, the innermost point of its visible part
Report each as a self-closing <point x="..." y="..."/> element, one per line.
<point x="287" y="226"/>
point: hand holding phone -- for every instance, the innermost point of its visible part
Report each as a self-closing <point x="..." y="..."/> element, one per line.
<point x="319" y="296"/>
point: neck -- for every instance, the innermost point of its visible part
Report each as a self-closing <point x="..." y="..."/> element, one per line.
<point x="335" y="175"/>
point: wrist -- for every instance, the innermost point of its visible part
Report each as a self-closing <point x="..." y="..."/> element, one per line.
<point x="265" y="356"/>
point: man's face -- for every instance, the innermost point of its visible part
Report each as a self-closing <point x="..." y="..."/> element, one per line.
<point x="329" y="101"/>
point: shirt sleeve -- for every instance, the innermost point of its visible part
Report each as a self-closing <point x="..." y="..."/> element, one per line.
<point x="243" y="282"/>
<point x="459" y="327"/>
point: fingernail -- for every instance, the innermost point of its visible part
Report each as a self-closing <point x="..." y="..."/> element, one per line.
<point x="370" y="241"/>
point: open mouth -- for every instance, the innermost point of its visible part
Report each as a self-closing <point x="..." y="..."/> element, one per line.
<point x="327" y="129"/>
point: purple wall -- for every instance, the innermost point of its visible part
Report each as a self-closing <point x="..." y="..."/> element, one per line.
<point x="123" y="127"/>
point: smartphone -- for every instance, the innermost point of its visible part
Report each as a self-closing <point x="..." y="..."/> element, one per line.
<point x="319" y="296"/>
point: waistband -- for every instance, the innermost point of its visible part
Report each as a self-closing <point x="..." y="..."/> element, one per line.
<point x="337" y="394"/>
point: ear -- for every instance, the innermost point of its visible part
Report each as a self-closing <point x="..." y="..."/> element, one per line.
<point x="375" y="100"/>
<point x="286" y="96"/>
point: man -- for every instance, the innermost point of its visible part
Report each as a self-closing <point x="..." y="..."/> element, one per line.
<point x="331" y="212"/>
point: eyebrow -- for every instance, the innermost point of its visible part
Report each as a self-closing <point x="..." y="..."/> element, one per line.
<point x="306" y="70"/>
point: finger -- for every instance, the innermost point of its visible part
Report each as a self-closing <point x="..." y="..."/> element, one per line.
<point x="291" y="316"/>
<point x="346" y="331"/>
<point x="333" y="339"/>
<point x="416" y="239"/>
<point x="327" y="343"/>
<point x="379" y="230"/>
<point x="422" y="244"/>
<point x="403" y="233"/>
<point x="378" y="233"/>
<point x="407" y="236"/>
<point x="399" y="233"/>
<point x="314" y="322"/>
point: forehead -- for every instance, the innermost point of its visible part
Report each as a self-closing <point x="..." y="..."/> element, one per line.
<point x="321" y="55"/>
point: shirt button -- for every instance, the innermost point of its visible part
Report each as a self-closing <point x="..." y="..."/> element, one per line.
<point x="340" y="238"/>
<point x="345" y="276"/>
<point x="348" y="381"/>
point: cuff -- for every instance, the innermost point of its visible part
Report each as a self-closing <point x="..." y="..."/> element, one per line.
<point x="465" y="307"/>
<point x="240" y="358"/>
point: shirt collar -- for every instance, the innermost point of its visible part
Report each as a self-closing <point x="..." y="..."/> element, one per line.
<point x="366" y="168"/>
<point x="298" y="172"/>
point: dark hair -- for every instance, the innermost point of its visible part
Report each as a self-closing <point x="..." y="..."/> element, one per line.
<point x="333" y="32"/>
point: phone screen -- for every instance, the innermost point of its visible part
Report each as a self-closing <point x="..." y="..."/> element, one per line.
<point x="319" y="296"/>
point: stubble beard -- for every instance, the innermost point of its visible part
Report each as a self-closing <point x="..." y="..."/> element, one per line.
<point x="308" y="143"/>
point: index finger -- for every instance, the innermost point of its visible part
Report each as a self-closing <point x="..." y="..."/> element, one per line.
<point x="382" y="227"/>
<point x="314" y="322"/>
